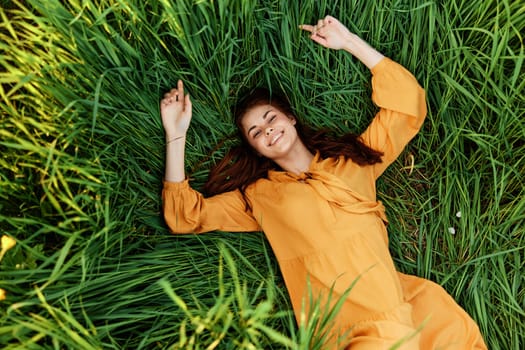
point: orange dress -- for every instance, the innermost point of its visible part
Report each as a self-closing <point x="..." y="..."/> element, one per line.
<point x="326" y="227"/>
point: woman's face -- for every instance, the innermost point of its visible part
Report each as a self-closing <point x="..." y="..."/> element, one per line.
<point x="269" y="131"/>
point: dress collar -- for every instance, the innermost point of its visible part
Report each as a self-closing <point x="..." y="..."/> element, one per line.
<point x="281" y="175"/>
<point x="331" y="188"/>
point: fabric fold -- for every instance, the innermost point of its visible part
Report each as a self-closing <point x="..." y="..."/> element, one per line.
<point x="334" y="190"/>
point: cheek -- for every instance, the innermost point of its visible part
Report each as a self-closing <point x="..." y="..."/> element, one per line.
<point x="258" y="144"/>
<point x="250" y="141"/>
<point x="253" y="143"/>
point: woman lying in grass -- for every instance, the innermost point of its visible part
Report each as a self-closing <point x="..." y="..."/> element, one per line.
<point x="315" y="199"/>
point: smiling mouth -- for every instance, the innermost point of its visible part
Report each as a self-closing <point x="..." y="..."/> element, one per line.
<point x="276" y="138"/>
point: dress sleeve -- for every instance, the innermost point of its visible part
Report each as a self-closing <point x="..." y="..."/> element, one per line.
<point x="402" y="111"/>
<point x="187" y="211"/>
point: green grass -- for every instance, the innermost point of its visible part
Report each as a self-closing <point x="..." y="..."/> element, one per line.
<point x="82" y="163"/>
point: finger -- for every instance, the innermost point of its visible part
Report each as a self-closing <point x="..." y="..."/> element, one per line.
<point x="307" y="27"/>
<point x="187" y="103"/>
<point x="319" y="39"/>
<point x="320" y="26"/>
<point x="180" y="88"/>
<point x="329" y="19"/>
<point x="165" y="101"/>
<point x="170" y="94"/>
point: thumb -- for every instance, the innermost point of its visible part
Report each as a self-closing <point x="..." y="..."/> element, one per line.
<point x="319" y="39"/>
<point x="187" y="103"/>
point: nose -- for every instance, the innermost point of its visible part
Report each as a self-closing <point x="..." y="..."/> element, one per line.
<point x="269" y="131"/>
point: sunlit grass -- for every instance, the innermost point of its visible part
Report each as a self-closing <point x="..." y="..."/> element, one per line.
<point x="82" y="163"/>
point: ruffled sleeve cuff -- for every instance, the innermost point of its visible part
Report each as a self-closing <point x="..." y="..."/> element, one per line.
<point x="176" y="186"/>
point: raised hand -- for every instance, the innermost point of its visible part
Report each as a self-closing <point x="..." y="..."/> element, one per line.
<point x="332" y="34"/>
<point x="175" y="109"/>
<point x="328" y="32"/>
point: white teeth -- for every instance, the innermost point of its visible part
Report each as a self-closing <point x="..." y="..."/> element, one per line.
<point x="276" y="137"/>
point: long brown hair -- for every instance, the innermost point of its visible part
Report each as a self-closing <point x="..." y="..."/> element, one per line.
<point x="242" y="166"/>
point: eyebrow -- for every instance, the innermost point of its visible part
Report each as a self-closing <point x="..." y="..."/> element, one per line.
<point x="264" y="117"/>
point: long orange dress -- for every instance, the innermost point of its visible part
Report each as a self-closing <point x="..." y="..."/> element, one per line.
<point x="326" y="226"/>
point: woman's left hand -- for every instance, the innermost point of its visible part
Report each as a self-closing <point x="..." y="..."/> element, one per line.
<point x="329" y="32"/>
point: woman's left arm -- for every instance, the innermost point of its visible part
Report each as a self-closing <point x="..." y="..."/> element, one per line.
<point x="402" y="112"/>
<point x="394" y="89"/>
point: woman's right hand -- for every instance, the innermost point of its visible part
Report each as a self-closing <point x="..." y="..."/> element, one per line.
<point x="175" y="109"/>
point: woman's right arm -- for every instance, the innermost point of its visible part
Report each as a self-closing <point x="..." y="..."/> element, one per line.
<point x="186" y="210"/>
<point x="175" y="109"/>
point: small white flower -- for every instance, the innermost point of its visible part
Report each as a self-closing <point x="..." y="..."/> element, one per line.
<point x="452" y="230"/>
<point x="458" y="214"/>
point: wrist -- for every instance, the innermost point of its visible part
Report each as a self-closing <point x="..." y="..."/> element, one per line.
<point x="350" y="43"/>
<point x="363" y="51"/>
<point x="174" y="139"/>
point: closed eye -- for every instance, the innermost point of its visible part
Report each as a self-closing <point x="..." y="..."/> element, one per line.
<point x="269" y="120"/>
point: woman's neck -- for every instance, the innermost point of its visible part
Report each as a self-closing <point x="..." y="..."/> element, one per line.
<point x="297" y="161"/>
